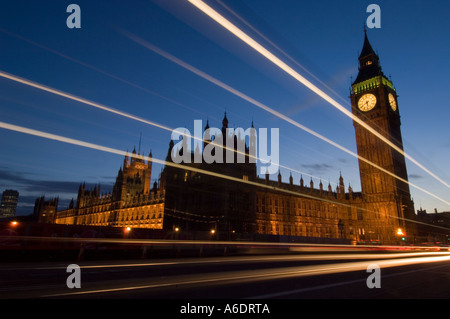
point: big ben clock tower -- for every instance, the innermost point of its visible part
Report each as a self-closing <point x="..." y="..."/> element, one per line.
<point x="388" y="207"/>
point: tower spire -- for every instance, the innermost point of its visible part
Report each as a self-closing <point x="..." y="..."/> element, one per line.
<point x="140" y="138"/>
<point x="369" y="62"/>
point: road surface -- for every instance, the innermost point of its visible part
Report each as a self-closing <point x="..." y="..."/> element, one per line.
<point x="290" y="276"/>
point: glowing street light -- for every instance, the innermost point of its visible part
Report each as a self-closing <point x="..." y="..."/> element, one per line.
<point x="401" y="233"/>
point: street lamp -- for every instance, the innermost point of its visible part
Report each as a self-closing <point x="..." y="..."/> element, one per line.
<point x="401" y="233"/>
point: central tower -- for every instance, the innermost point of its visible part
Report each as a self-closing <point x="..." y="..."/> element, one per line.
<point x="387" y="198"/>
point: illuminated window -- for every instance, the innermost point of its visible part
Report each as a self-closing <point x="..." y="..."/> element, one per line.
<point x="368" y="62"/>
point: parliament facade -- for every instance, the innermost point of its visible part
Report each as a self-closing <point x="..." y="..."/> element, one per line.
<point x="232" y="198"/>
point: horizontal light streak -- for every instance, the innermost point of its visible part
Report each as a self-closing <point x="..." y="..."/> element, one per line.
<point x="283" y="66"/>
<point x="264" y="274"/>
<point x="291" y="246"/>
<point x="241" y="259"/>
<point x="268" y="109"/>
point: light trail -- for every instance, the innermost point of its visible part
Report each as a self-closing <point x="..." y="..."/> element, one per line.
<point x="283" y="66"/>
<point x="240" y="259"/>
<point x="332" y="285"/>
<point x="278" y="48"/>
<point x="247" y="276"/>
<point x="81" y="100"/>
<point x="268" y="109"/>
<point x="152" y="123"/>
<point x="371" y="250"/>
<point x="98" y="70"/>
<point x="121" y="113"/>
<point x="72" y="141"/>
<point x="133" y="117"/>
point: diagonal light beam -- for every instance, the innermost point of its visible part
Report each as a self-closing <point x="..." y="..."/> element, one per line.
<point x="89" y="145"/>
<point x="124" y="114"/>
<point x="283" y="66"/>
<point x="267" y="108"/>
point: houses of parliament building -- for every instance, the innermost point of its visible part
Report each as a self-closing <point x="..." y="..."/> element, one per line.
<point x="189" y="198"/>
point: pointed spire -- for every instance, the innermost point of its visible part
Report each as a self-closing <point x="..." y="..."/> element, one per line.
<point x="367" y="47"/>
<point x="225" y="121"/>
<point x="341" y="179"/>
<point x="369" y="62"/>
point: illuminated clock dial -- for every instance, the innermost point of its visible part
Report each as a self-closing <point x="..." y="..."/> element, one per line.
<point x="367" y="102"/>
<point x="392" y="102"/>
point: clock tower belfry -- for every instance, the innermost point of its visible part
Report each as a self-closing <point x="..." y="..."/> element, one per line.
<point x="389" y="209"/>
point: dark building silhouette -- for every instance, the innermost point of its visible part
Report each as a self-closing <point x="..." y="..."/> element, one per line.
<point x="45" y="210"/>
<point x="434" y="227"/>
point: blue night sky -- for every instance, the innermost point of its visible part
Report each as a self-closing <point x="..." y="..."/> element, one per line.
<point x="100" y="63"/>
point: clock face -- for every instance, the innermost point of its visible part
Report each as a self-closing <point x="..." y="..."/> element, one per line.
<point x="392" y="102"/>
<point x="367" y="102"/>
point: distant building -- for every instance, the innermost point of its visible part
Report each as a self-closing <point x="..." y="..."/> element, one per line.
<point x="132" y="203"/>
<point x="9" y="203"/>
<point x="434" y="227"/>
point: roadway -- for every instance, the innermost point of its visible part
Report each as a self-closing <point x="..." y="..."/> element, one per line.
<point x="301" y="275"/>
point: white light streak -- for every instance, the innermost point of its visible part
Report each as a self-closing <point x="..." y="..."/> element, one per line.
<point x="283" y="66"/>
<point x="268" y="109"/>
<point x="118" y="112"/>
<point x="72" y="141"/>
<point x="80" y="99"/>
<point x="264" y="274"/>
